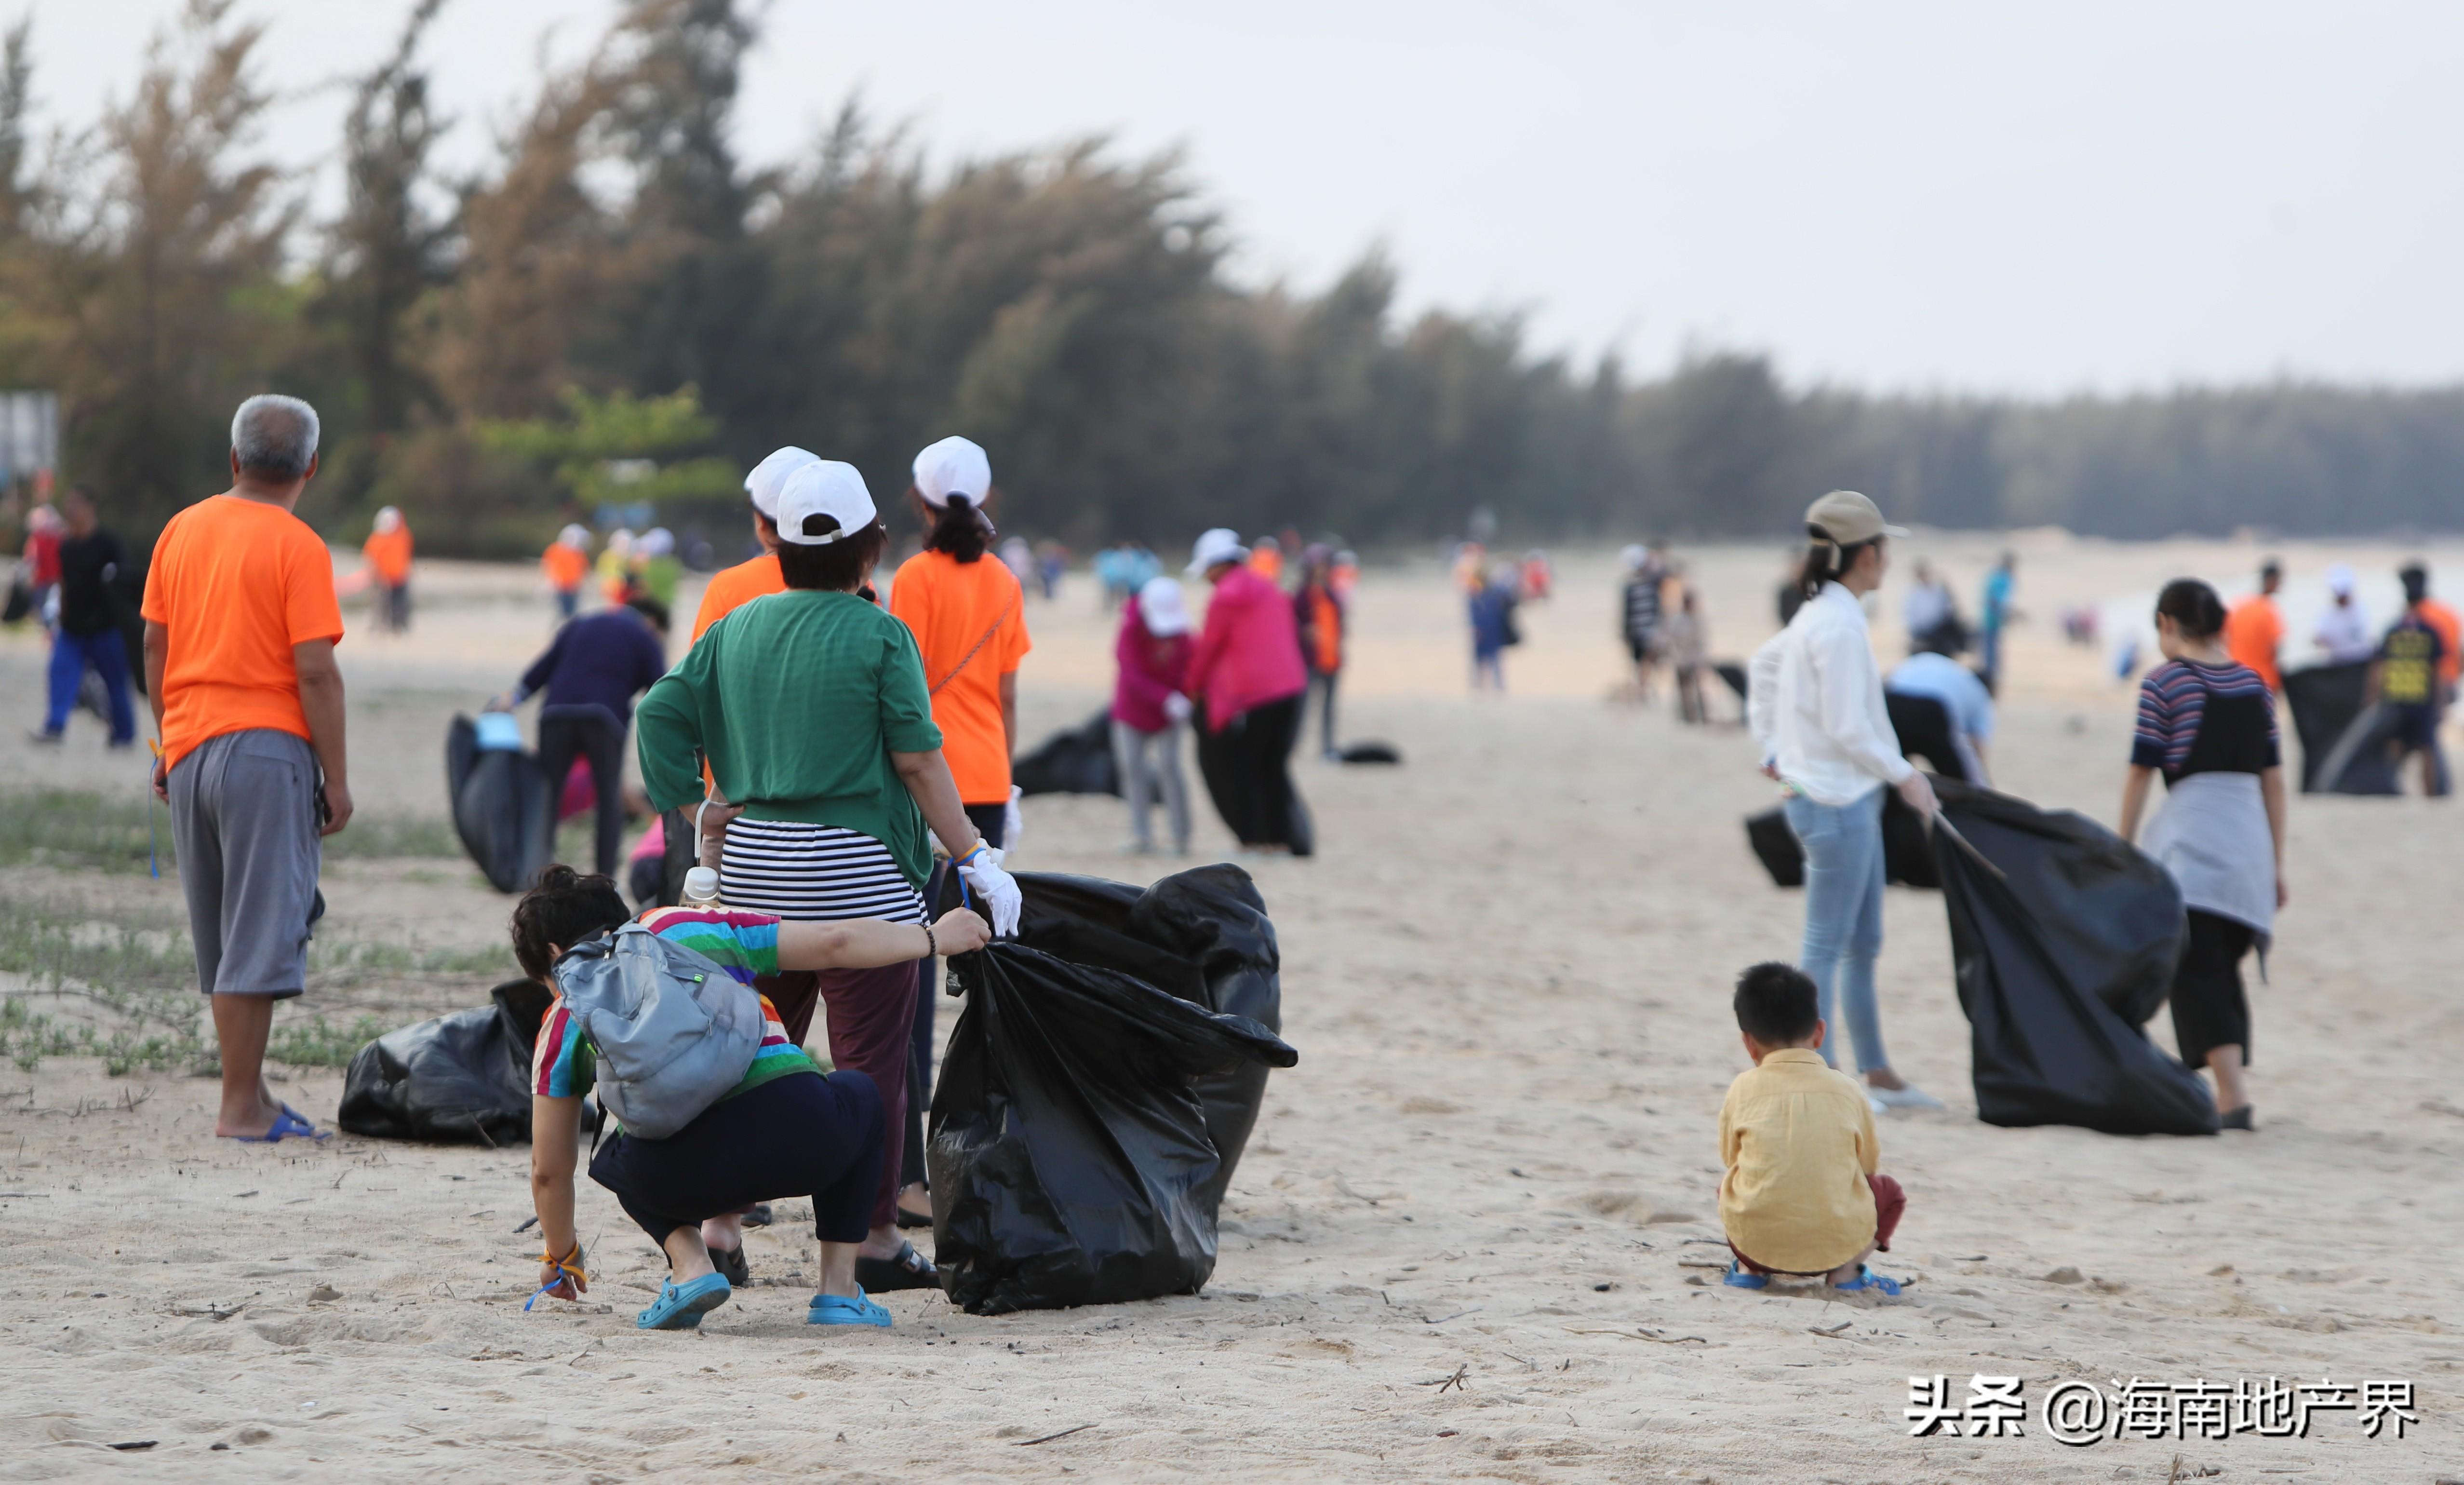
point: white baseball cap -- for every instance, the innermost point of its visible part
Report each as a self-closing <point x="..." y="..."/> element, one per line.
<point x="824" y="487"/>
<point x="573" y="536"/>
<point x="1162" y="608"/>
<point x="954" y="466"/>
<point x="764" y="482"/>
<point x="2339" y="581"/>
<point x="1220" y="544"/>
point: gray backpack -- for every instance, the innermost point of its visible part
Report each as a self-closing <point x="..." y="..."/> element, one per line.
<point x="672" y="1031"/>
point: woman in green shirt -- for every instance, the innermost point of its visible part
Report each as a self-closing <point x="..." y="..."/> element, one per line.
<point x="811" y="709"/>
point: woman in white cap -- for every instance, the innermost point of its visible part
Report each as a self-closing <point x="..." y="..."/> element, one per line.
<point x="1150" y="707"/>
<point x="2344" y="629"/>
<point x="1816" y="707"/>
<point x="733" y="587"/>
<point x="969" y="618"/>
<point x="1247" y="671"/>
<point x="812" y="710"/>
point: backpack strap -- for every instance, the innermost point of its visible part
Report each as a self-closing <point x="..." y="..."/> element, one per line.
<point x="978" y="645"/>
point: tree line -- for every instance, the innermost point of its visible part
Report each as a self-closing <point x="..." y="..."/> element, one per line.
<point x="620" y="308"/>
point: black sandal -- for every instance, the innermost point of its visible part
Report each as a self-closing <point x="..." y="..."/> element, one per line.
<point x="730" y="1261"/>
<point x="2238" y="1118"/>
<point x="907" y="1270"/>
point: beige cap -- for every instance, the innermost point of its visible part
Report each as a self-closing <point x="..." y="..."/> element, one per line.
<point x="1848" y="518"/>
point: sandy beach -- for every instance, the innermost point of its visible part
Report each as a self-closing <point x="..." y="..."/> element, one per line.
<point x="1474" y="1235"/>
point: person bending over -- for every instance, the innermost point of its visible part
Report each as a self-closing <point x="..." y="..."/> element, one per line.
<point x="1802" y="1192"/>
<point x="784" y="1130"/>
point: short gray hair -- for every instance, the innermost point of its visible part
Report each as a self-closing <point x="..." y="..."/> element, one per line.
<point x="275" y="436"/>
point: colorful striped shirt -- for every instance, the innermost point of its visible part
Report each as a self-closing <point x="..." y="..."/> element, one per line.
<point x="2195" y="717"/>
<point x="744" y="944"/>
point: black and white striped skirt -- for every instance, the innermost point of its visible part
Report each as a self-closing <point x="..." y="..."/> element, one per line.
<point x="813" y="874"/>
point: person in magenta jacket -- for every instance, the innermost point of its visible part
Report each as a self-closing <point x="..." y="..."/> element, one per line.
<point x="1150" y="707"/>
<point x="1247" y="669"/>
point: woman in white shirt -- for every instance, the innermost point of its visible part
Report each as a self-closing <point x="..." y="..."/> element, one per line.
<point x="1815" y="706"/>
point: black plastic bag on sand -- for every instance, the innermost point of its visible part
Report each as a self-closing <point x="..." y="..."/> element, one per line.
<point x="2065" y="945"/>
<point x="1907" y="858"/>
<point x="1076" y="761"/>
<point x="2338" y="730"/>
<point x="463" y="1076"/>
<point x="1075" y="1154"/>
<point x="503" y="808"/>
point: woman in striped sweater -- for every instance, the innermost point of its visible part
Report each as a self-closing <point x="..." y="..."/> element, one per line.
<point x="2207" y="723"/>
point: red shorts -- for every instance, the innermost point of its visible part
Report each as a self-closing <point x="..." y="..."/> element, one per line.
<point x="1890" y="1201"/>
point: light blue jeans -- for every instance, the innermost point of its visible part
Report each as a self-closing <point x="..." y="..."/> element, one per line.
<point x="1844" y="916"/>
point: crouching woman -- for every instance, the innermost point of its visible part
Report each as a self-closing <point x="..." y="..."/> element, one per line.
<point x="784" y="1130"/>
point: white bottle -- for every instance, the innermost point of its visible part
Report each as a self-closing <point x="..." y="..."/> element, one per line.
<point x="701" y="887"/>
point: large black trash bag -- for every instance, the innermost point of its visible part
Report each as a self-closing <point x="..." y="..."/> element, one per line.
<point x="1076" y="761"/>
<point x="463" y="1076"/>
<point x="504" y="808"/>
<point x="1907" y="858"/>
<point x="2060" y="961"/>
<point x="2340" y="734"/>
<point x="1069" y="1157"/>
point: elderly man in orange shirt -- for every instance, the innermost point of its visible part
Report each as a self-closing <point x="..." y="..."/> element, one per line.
<point x="240" y="626"/>
<point x="387" y="550"/>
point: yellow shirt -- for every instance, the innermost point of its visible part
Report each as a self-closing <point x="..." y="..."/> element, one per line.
<point x="1799" y="1140"/>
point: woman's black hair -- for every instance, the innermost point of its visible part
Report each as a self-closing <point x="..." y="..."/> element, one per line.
<point x="1827" y="561"/>
<point x="2193" y="606"/>
<point x="958" y="530"/>
<point x="835" y="566"/>
<point x="561" y="909"/>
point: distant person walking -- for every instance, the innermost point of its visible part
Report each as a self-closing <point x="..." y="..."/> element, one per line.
<point x="1247" y="671"/>
<point x="588" y="678"/>
<point x="2254" y="628"/>
<point x="87" y="562"/>
<point x="2343" y="631"/>
<point x="1933" y="613"/>
<point x="1814" y="704"/>
<point x="565" y="564"/>
<point x="2405" y="680"/>
<point x="1994" y="618"/>
<point x="387" y="550"/>
<point x="1688" y="641"/>
<point x="1494" y="630"/>
<point x="240" y="626"/>
<point x="1266" y="559"/>
<point x="2207" y="723"/>
<point x="1151" y="709"/>
<point x="41" y="558"/>
<point x="1319" y="610"/>
<point x="1640" y="615"/>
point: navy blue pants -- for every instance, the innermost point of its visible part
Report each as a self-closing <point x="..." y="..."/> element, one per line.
<point x="802" y="1134"/>
<point x="108" y="655"/>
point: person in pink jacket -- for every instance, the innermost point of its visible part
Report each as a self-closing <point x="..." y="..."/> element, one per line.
<point x="1150" y="707"/>
<point x="1247" y="669"/>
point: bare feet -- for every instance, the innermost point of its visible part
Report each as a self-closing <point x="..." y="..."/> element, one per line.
<point x="882" y="1242"/>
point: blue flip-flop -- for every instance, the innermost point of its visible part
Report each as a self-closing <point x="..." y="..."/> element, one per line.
<point x="289" y="1124"/>
<point x="681" y="1306"/>
<point x="1865" y="1279"/>
<point x="836" y="1310"/>
<point x="1738" y="1278"/>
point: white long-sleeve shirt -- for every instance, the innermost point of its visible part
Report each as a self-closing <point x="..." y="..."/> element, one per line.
<point x="1814" y="698"/>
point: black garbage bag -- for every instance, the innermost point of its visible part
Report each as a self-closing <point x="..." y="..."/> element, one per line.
<point x="504" y="807"/>
<point x="1071" y="1155"/>
<point x="1908" y="856"/>
<point x="1076" y="761"/>
<point x="2064" y="946"/>
<point x="2338" y="731"/>
<point x="1370" y="752"/>
<point x="461" y="1077"/>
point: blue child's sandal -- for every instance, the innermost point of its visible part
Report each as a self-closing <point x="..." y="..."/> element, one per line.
<point x="836" y="1310"/>
<point x="681" y="1306"/>
<point x="1738" y="1278"/>
<point x="1865" y="1279"/>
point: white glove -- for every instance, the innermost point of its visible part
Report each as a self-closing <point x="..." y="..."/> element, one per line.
<point x="1013" y="823"/>
<point x="997" y="893"/>
<point x="1177" y="707"/>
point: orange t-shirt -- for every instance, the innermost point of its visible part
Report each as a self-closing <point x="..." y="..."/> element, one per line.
<point x="237" y="583"/>
<point x="389" y="552"/>
<point x="733" y="589"/>
<point x="566" y="566"/>
<point x="1268" y="564"/>
<point x="954" y="608"/>
<point x="2451" y="628"/>
<point x="2254" y="631"/>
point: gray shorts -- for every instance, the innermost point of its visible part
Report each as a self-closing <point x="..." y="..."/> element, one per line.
<point x="244" y="821"/>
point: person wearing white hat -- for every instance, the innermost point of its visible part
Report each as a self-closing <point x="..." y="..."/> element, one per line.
<point x="1816" y="707"/>
<point x="813" y="711"/>
<point x="1151" y="709"/>
<point x="969" y="618"/>
<point x="1246" y="671"/>
<point x="567" y="565"/>
<point x="2344" y="629"/>
<point x="387" y="550"/>
<point x="733" y="587"/>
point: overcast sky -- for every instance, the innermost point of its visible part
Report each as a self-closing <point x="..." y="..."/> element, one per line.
<point x="2033" y="197"/>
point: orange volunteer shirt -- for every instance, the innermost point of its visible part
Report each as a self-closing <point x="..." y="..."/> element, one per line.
<point x="733" y="589"/>
<point x="2254" y="631"/>
<point x="566" y="566"/>
<point x="954" y="606"/>
<point x="237" y="583"/>
<point x="2451" y="628"/>
<point x="389" y="552"/>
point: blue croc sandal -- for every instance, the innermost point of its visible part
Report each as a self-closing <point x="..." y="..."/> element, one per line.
<point x="287" y="1125"/>
<point x="1738" y="1278"/>
<point x="1867" y="1280"/>
<point x="834" y="1310"/>
<point x="681" y="1306"/>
